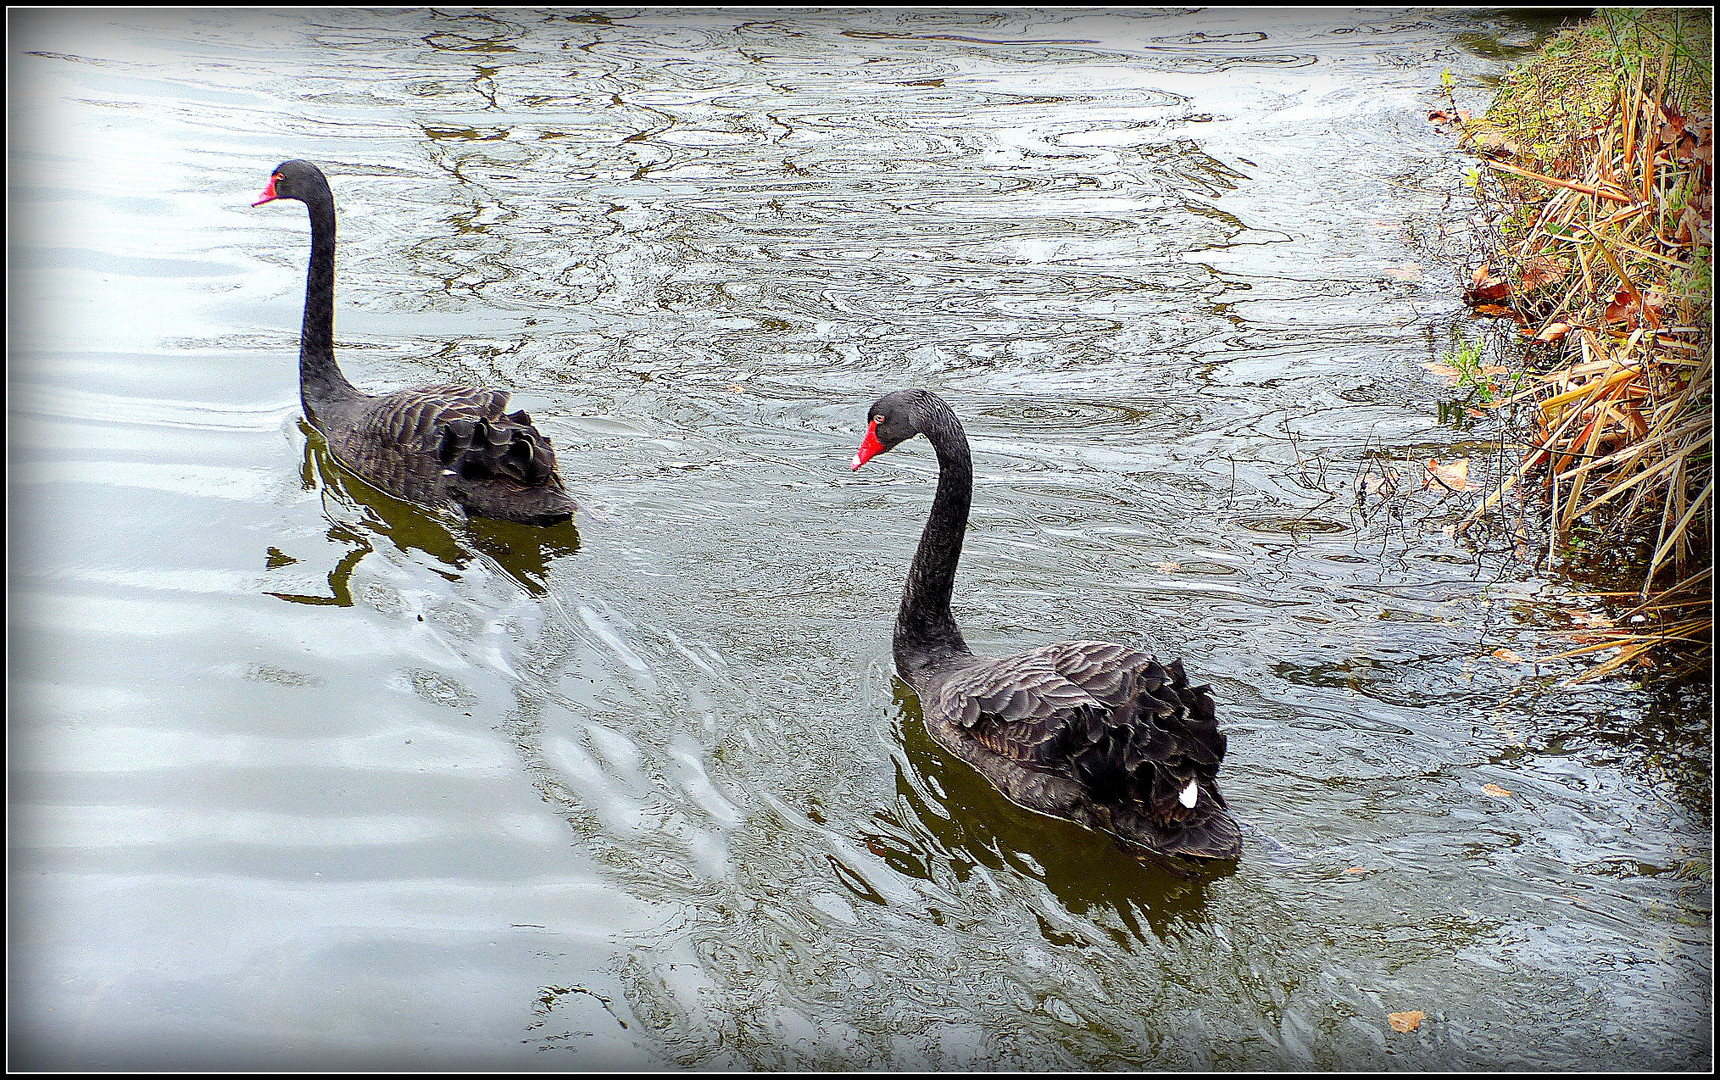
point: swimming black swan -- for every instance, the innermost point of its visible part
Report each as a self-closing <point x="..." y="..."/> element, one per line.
<point x="1084" y="730"/>
<point x="445" y="447"/>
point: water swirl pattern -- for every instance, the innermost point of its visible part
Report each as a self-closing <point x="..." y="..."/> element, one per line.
<point x="303" y="778"/>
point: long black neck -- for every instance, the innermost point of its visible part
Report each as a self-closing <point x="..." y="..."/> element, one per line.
<point x="926" y="632"/>
<point x="320" y="379"/>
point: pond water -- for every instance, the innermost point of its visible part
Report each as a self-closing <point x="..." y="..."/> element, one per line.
<point x="304" y="778"/>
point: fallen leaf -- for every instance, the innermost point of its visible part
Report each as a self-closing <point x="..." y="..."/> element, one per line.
<point x="1493" y="144"/>
<point x="1381" y="483"/>
<point x="1484" y="286"/>
<point x="1671" y="125"/>
<point x="1406" y="1021"/>
<point x="1553" y="331"/>
<point x="1452" y="476"/>
<point x="1356" y="870"/>
<point x="1627" y="306"/>
<point x="1541" y="271"/>
<point x="1508" y="655"/>
<point x="1654" y="307"/>
<point x="1496" y="791"/>
<point x="1619" y="307"/>
<point x="1494" y="309"/>
<point x="1695" y="227"/>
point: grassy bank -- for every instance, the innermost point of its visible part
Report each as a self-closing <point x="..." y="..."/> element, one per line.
<point x="1597" y="169"/>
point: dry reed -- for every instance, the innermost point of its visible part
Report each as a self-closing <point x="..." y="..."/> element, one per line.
<point x="1611" y="266"/>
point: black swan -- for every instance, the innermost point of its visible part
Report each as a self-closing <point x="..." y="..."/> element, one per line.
<point x="1088" y="731"/>
<point x="446" y="447"/>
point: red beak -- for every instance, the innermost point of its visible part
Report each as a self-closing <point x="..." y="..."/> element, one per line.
<point x="268" y="194"/>
<point x="869" y="448"/>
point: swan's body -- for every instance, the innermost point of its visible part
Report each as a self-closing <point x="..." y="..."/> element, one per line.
<point x="447" y="446"/>
<point x="1092" y="732"/>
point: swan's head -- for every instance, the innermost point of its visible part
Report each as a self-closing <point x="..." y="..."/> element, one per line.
<point x="299" y="180"/>
<point x="896" y="418"/>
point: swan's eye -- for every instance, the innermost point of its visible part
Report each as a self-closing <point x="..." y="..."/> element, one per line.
<point x="879" y="419"/>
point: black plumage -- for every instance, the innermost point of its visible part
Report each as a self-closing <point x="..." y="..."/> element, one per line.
<point x="444" y="446"/>
<point x="1089" y="731"/>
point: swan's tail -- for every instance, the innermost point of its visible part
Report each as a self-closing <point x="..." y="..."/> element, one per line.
<point x="1154" y="767"/>
<point x="504" y="467"/>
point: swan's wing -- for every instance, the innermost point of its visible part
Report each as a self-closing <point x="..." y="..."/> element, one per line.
<point x="1128" y="730"/>
<point x="464" y="431"/>
<point x="412" y="420"/>
<point x="1108" y="672"/>
<point x="1019" y="708"/>
<point x="412" y="443"/>
<point x="1133" y="684"/>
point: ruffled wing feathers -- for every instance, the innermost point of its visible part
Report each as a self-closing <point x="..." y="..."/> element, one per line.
<point x="1129" y="731"/>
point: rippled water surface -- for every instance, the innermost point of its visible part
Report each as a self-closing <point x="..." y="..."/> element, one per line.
<point x="304" y="777"/>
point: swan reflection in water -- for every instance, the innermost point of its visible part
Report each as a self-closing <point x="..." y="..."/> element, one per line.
<point x="947" y="811"/>
<point x="358" y="513"/>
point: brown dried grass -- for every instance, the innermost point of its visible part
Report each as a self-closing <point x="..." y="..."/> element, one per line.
<point x="1614" y="265"/>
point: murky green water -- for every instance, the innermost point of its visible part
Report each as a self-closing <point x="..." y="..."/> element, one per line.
<point x="303" y="778"/>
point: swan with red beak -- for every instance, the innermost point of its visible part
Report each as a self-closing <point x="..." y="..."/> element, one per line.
<point x="1095" y="733"/>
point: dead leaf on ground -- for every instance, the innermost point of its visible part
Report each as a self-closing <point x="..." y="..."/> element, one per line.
<point x="1508" y="656"/>
<point x="1356" y="870"/>
<point x="1406" y="1021"/>
<point x="1555" y="331"/>
<point x="1619" y="308"/>
<point x="1542" y="271"/>
<point x="1695" y="227"/>
<point x="1496" y="791"/>
<point x="1499" y="310"/>
<point x="1654" y="307"/>
<point x="1485" y="286"/>
<point x="1671" y="125"/>
<point x="1493" y="144"/>
<point x="1628" y="306"/>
